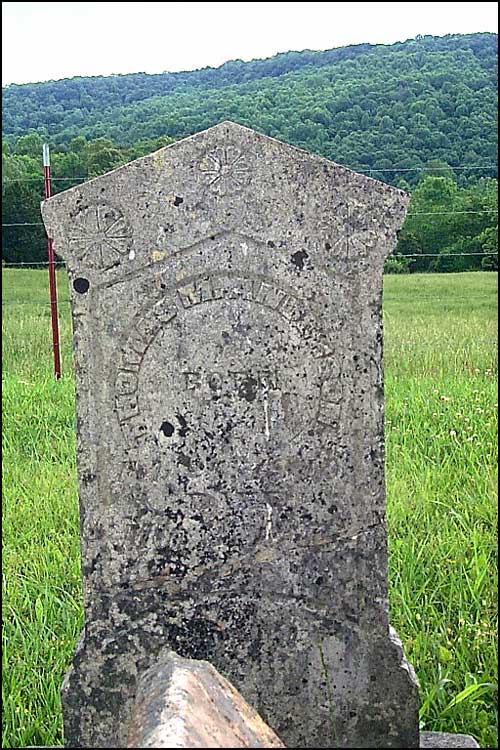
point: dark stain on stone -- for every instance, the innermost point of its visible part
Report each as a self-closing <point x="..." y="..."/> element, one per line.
<point x="167" y="428"/>
<point x="243" y="329"/>
<point x="248" y="389"/>
<point x="183" y="481"/>
<point x="178" y="200"/>
<point x="184" y="426"/>
<point x="197" y="640"/>
<point x="81" y="285"/>
<point x="185" y="460"/>
<point x="215" y="384"/>
<point x="299" y="258"/>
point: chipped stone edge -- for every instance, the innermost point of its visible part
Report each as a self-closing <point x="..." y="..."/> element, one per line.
<point x="404" y="664"/>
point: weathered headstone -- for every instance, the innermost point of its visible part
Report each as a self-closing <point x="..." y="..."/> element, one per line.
<point x="226" y="297"/>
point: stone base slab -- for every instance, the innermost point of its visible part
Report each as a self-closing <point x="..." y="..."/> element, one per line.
<point x="187" y="703"/>
<point x="443" y="740"/>
<point x="427" y="740"/>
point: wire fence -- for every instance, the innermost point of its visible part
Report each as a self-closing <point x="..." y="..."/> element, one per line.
<point x="400" y="256"/>
<point x="437" y="343"/>
<point x="361" y="170"/>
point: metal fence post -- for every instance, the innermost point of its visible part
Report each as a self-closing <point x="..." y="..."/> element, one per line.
<point x="52" y="272"/>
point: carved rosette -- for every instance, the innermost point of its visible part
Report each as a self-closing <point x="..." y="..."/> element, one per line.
<point x="101" y="233"/>
<point x="225" y="168"/>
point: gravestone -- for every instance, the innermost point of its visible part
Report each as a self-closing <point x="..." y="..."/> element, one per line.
<point x="226" y="300"/>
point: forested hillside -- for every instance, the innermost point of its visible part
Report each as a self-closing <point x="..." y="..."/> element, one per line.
<point x="420" y="111"/>
<point x="366" y="106"/>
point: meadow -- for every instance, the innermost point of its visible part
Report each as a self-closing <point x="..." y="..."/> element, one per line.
<point x="441" y="471"/>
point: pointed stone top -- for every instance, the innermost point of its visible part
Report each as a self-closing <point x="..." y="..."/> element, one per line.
<point x="228" y="127"/>
<point x="223" y="178"/>
<point x="229" y="133"/>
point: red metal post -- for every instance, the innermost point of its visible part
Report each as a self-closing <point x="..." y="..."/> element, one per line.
<point x="52" y="273"/>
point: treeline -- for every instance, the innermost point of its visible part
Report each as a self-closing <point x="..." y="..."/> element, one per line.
<point x="450" y="227"/>
<point x="380" y="109"/>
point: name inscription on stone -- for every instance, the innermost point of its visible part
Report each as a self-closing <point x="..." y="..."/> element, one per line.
<point x="211" y="289"/>
<point x="245" y="402"/>
<point x="245" y="382"/>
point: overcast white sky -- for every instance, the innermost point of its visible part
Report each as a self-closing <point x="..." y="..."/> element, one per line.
<point x="44" y="41"/>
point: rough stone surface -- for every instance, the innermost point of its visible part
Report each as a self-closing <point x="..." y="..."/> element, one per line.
<point x="437" y="740"/>
<point x="187" y="703"/>
<point x="443" y="740"/>
<point x="226" y="299"/>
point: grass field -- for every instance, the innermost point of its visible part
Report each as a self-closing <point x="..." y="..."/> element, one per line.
<point x="441" y="402"/>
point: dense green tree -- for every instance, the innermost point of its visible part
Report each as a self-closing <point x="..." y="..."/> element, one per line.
<point x="458" y="225"/>
<point x="20" y="206"/>
<point x="420" y="114"/>
<point x="417" y="101"/>
<point x="29" y="145"/>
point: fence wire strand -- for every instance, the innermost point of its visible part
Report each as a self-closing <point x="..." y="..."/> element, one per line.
<point x="42" y="264"/>
<point x="439" y="344"/>
<point x="360" y="170"/>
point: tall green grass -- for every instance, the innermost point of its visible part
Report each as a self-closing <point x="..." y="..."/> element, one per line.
<point x="441" y="402"/>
